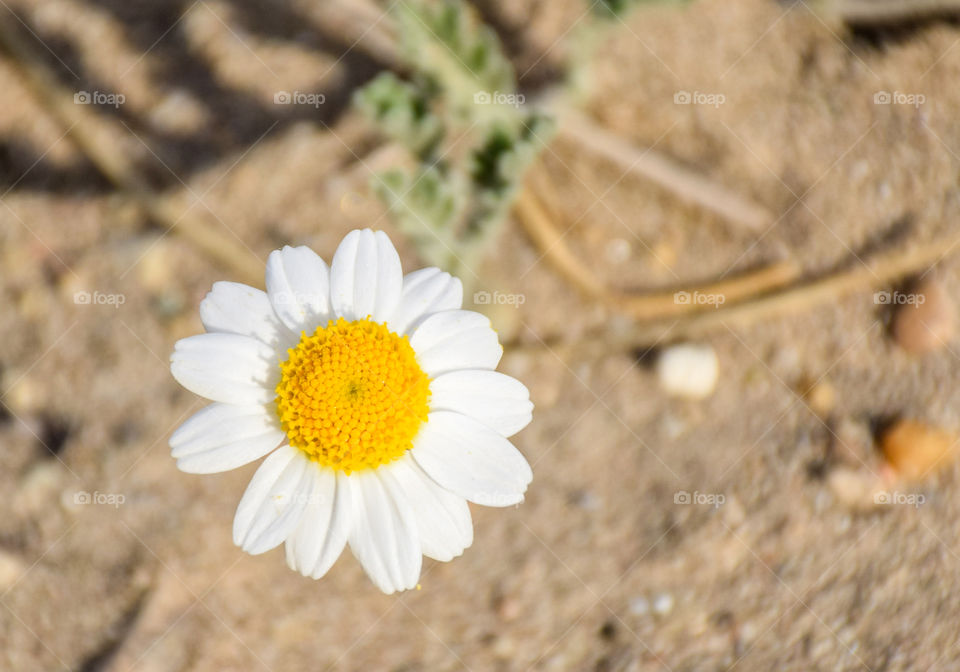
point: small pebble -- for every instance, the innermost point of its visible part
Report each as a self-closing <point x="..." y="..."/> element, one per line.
<point x="688" y="371"/>
<point x="157" y="267"/>
<point x="179" y="112"/>
<point x="915" y="450"/>
<point x="663" y="604"/>
<point x="40" y="485"/>
<point x="927" y="320"/>
<point x="821" y="397"/>
<point x="11" y="569"/>
<point x="586" y="500"/>
<point x="508" y="609"/>
<point x="664" y="255"/>
<point x="639" y="606"/>
<point x="618" y="251"/>
<point x="673" y="427"/>
<point x="24" y="396"/>
<point x="854" y="489"/>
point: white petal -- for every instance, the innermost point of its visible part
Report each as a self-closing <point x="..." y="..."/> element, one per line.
<point x="226" y="367"/>
<point x="233" y="308"/>
<point x="274" y="502"/>
<point x="426" y="291"/>
<point x="471" y="460"/>
<point x="383" y="536"/>
<point x="495" y="399"/>
<point x="319" y="539"/>
<point x="456" y="339"/>
<point x="365" y="277"/>
<point x="443" y="518"/>
<point x="298" y="284"/>
<point x="221" y="437"/>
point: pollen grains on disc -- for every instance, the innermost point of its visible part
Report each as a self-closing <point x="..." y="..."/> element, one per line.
<point x="352" y="396"/>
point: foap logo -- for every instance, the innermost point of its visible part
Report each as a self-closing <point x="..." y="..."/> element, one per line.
<point x="498" y="98"/>
<point x="898" y="98"/>
<point x="699" y="98"/>
<point x="684" y="498"/>
<point x="298" y="98"/>
<point x="898" y="299"/>
<point x="99" y="98"/>
<point x="114" y="499"/>
<point x="699" y="299"/>
<point x="884" y="498"/>
<point x="499" y="299"/>
<point x="99" y="299"/>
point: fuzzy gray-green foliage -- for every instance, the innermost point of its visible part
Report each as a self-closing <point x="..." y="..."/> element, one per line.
<point x="402" y="111"/>
<point x="461" y="119"/>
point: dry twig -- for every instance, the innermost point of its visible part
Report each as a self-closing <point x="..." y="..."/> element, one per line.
<point x="880" y="271"/>
<point x="664" y="171"/>
<point x="646" y="306"/>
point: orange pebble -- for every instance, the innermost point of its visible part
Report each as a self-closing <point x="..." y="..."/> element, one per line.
<point x="915" y="450"/>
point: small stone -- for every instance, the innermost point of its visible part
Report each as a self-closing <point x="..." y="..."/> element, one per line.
<point x="24" y="394"/>
<point x="586" y="500"/>
<point x="639" y="606"/>
<point x="673" y="427"/>
<point x="11" y="569"/>
<point x="915" y="450"/>
<point x="733" y="512"/>
<point x="664" y="255"/>
<point x="663" y="604"/>
<point x="504" y="647"/>
<point x="39" y="486"/>
<point x="821" y="397"/>
<point x="156" y="268"/>
<point x="926" y="320"/>
<point x="179" y="113"/>
<point x="854" y="489"/>
<point x="508" y="608"/>
<point x="688" y="371"/>
<point x="618" y="251"/>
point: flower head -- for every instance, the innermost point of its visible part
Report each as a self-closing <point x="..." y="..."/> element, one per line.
<point x="374" y="398"/>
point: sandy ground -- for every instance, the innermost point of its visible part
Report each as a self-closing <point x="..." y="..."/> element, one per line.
<point x="603" y="567"/>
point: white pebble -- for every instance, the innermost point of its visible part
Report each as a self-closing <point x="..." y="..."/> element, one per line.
<point x="688" y="371"/>
<point x="663" y="604"/>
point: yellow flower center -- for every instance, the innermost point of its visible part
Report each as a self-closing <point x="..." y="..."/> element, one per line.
<point x="352" y="395"/>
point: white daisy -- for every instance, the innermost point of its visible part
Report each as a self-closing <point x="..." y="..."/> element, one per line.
<point x="376" y="399"/>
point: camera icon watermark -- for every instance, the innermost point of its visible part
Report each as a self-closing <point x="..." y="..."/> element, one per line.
<point x="99" y="98"/>
<point x="699" y="98"/>
<point x="684" y="498"/>
<point x="898" y="299"/>
<point x="114" y="499"/>
<point x="884" y="498"/>
<point x="498" y="98"/>
<point x="98" y="299"/>
<point x="299" y="98"/>
<point x="498" y="299"/>
<point x="899" y="98"/>
<point x="684" y="298"/>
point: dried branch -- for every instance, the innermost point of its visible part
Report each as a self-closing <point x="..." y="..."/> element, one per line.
<point x="880" y="271"/>
<point x="669" y="174"/>
<point x="646" y="306"/>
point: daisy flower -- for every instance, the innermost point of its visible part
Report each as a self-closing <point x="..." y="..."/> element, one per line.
<point x="374" y="398"/>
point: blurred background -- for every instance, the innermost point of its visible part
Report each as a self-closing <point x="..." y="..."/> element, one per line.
<point x="718" y="239"/>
